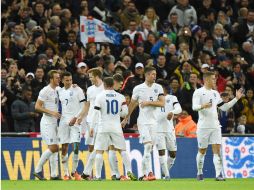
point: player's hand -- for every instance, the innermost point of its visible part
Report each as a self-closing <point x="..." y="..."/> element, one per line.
<point x="91" y="132"/>
<point x="170" y="115"/>
<point x="56" y="115"/>
<point x="239" y="93"/>
<point x="144" y="103"/>
<point x="79" y="120"/>
<point x="207" y="105"/>
<point x="72" y="121"/>
<point x="124" y="122"/>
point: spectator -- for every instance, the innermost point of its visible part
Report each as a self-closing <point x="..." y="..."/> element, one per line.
<point x="174" y="87"/>
<point x="38" y="82"/>
<point x="128" y="14"/>
<point x="248" y="110"/>
<point x="9" y="49"/>
<point x="173" y="25"/>
<point x="186" y="127"/>
<point x="186" y="13"/>
<point x="226" y="118"/>
<point x="23" y="112"/>
<point x="152" y="17"/>
<point x="135" y="80"/>
<point x="240" y="128"/>
<point x="140" y="55"/>
<point x="186" y="95"/>
<point x="161" y="67"/>
<point x="81" y="77"/>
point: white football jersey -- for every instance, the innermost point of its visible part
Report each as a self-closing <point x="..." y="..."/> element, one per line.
<point x="142" y="92"/>
<point x="92" y="92"/>
<point x="110" y="103"/>
<point x="208" y="117"/>
<point x="171" y="105"/>
<point x="50" y="101"/>
<point x="71" y="99"/>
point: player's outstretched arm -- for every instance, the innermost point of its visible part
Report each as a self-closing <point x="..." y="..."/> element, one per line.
<point x="225" y="106"/>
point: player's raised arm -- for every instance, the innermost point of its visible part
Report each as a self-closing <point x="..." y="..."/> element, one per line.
<point x="225" y="106"/>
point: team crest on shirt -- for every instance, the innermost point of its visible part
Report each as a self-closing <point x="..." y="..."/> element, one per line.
<point x="71" y="93"/>
<point x="156" y="90"/>
<point x="168" y="101"/>
<point x="56" y="100"/>
<point x="214" y="95"/>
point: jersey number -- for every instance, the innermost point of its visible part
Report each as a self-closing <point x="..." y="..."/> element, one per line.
<point x="67" y="101"/>
<point x="112" y="106"/>
<point x="162" y="109"/>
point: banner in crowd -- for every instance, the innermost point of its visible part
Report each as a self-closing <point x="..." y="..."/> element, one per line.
<point x="94" y="30"/>
<point x="19" y="157"/>
<point x="238" y="157"/>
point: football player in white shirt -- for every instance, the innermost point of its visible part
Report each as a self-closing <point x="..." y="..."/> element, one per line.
<point x="109" y="106"/>
<point x="206" y="101"/>
<point x="148" y="96"/>
<point x="166" y="138"/>
<point x="47" y="103"/>
<point x="95" y="76"/>
<point x="72" y="100"/>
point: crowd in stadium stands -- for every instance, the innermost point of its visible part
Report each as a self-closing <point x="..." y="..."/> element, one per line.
<point x="182" y="39"/>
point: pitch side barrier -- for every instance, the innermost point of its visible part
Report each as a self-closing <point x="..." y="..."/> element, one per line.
<point x="21" y="152"/>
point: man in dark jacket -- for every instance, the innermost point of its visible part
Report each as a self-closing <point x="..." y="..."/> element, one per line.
<point x="135" y="80"/>
<point x="23" y="112"/>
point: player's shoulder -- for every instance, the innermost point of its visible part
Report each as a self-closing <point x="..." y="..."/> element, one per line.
<point x="170" y="97"/>
<point x="199" y="90"/>
<point x="156" y="85"/>
<point x="45" y="89"/>
<point x="142" y="85"/>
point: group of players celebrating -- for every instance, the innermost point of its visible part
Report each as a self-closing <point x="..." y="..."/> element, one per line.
<point x="101" y="113"/>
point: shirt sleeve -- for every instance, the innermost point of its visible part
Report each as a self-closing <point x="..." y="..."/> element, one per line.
<point x="177" y="107"/>
<point x="81" y="95"/>
<point x="196" y="105"/>
<point x="43" y="95"/>
<point x="161" y="93"/>
<point x="88" y="96"/>
<point x="124" y="108"/>
<point x="135" y="94"/>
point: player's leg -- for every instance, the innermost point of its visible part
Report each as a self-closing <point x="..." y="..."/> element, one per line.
<point x="44" y="157"/>
<point x="119" y="144"/>
<point x="65" y="159"/>
<point x="49" y="136"/>
<point x="75" y="160"/>
<point x="215" y="140"/>
<point x="161" y="147"/>
<point x="113" y="163"/>
<point x="75" y="138"/>
<point x="101" y="144"/>
<point x="172" y="148"/>
<point x="203" y="139"/>
<point x="87" y="173"/>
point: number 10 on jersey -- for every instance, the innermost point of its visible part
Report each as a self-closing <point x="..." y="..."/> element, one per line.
<point x="112" y="107"/>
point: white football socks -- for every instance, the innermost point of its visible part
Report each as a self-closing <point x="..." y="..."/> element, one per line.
<point x="44" y="157"/>
<point x="217" y="164"/>
<point x="170" y="162"/>
<point x="53" y="160"/>
<point x="98" y="165"/>
<point x="126" y="161"/>
<point x="75" y="160"/>
<point x="89" y="164"/>
<point x="65" y="164"/>
<point x="113" y="163"/>
<point x="146" y="161"/>
<point x="164" y="166"/>
<point x="200" y="162"/>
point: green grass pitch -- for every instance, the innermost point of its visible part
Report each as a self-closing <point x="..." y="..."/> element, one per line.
<point x="174" y="184"/>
